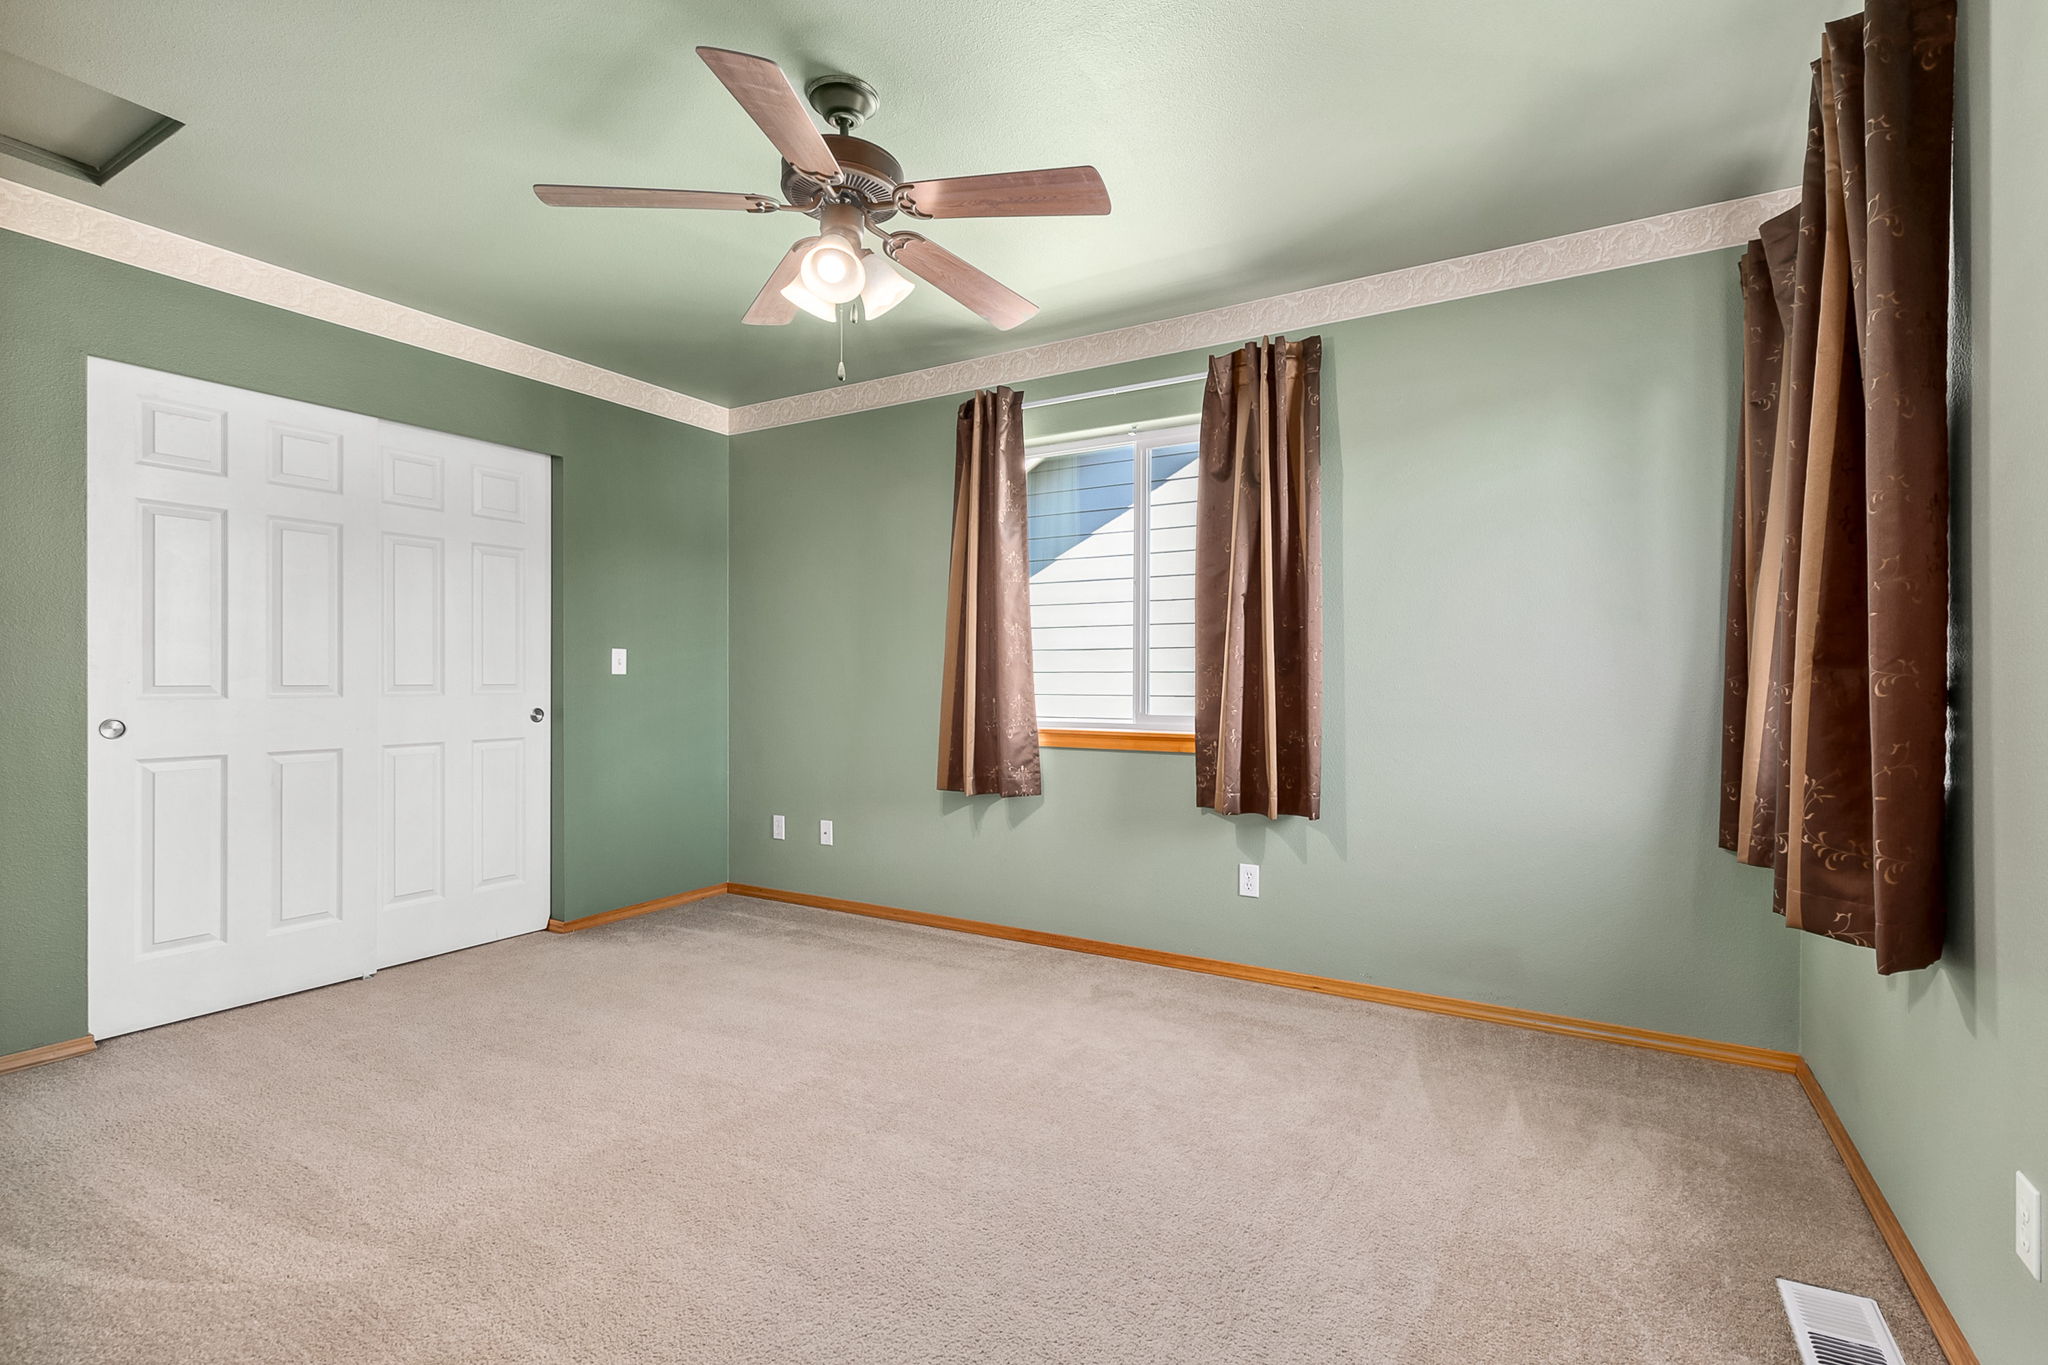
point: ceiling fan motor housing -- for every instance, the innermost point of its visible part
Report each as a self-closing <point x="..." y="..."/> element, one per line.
<point x="871" y="173"/>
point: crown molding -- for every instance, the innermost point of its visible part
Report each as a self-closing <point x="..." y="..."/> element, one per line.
<point x="1686" y="232"/>
<point x="84" y="227"/>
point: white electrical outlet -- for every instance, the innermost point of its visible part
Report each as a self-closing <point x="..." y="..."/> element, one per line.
<point x="2026" y="1223"/>
<point x="1247" y="879"/>
<point x="618" y="661"/>
<point x="779" y="831"/>
<point x="824" y="831"/>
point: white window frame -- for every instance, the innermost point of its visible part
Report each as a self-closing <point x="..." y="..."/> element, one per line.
<point x="1145" y="442"/>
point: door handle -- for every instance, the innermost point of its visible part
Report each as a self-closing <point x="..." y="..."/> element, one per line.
<point x="112" y="729"/>
<point x="538" y="716"/>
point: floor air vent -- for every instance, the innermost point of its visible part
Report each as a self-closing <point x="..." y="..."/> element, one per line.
<point x="1837" y="1329"/>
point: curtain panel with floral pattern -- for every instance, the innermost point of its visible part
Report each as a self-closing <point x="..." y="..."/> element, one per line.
<point x="1835" y="743"/>
<point x="988" y="707"/>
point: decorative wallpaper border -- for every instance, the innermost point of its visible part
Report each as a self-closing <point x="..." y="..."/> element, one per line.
<point x="83" y="227"/>
<point x="1686" y="232"/>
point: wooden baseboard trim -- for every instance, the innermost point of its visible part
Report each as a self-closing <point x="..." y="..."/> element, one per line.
<point x="1738" y="1054"/>
<point x="1947" y="1334"/>
<point x="48" y="1052"/>
<point x="570" y="926"/>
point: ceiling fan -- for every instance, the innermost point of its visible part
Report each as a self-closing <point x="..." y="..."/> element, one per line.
<point x="852" y="186"/>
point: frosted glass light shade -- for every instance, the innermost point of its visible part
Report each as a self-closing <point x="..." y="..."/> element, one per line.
<point x="885" y="287"/>
<point x="809" y="302"/>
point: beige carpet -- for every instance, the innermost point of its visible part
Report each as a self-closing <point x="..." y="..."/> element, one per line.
<point x="743" y="1132"/>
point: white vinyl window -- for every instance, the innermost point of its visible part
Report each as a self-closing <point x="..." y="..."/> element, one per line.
<point x="1112" y="525"/>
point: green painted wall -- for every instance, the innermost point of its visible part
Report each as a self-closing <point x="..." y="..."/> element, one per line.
<point x="1525" y="504"/>
<point x="1942" y="1076"/>
<point x="640" y="556"/>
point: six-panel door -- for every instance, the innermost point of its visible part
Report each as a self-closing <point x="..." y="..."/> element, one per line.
<point x="314" y="644"/>
<point x="463" y="693"/>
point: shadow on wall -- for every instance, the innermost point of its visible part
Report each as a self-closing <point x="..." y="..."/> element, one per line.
<point x="1015" y="810"/>
<point x="1966" y="880"/>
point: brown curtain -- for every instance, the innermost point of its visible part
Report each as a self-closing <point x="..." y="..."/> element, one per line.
<point x="988" y="711"/>
<point x="1834" y="757"/>
<point x="1259" y="583"/>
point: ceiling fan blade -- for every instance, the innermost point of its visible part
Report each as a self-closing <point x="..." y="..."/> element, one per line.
<point x="769" y="308"/>
<point x="615" y="197"/>
<point x="1014" y="194"/>
<point x="944" y="271"/>
<point x="772" y="102"/>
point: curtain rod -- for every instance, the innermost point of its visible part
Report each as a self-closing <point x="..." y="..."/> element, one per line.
<point x="1060" y="438"/>
<point x="1121" y="388"/>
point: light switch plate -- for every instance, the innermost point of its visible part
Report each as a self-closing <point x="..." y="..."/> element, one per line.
<point x="824" y="831"/>
<point x="2026" y="1223"/>
<point x="779" y="831"/>
<point x="618" y="661"/>
<point x="1247" y="879"/>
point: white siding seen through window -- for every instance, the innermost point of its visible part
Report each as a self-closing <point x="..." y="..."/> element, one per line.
<point x="1112" y="525"/>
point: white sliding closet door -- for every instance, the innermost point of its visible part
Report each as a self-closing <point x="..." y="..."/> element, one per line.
<point x="284" y="625"/>
<point x="462" y="722"/>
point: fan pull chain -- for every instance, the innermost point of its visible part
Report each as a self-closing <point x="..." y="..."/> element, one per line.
<point x="842" y="311"/>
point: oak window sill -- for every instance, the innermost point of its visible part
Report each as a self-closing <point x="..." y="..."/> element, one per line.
<point x="1140" y="741"/>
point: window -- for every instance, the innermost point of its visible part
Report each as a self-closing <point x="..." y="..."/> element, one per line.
<point x="1112" y="526"/>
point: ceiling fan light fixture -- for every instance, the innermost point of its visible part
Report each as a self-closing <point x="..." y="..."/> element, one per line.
<point x="885" y="287"/>
<point x="851" y="185"/>
<point x="832" y="270"/>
